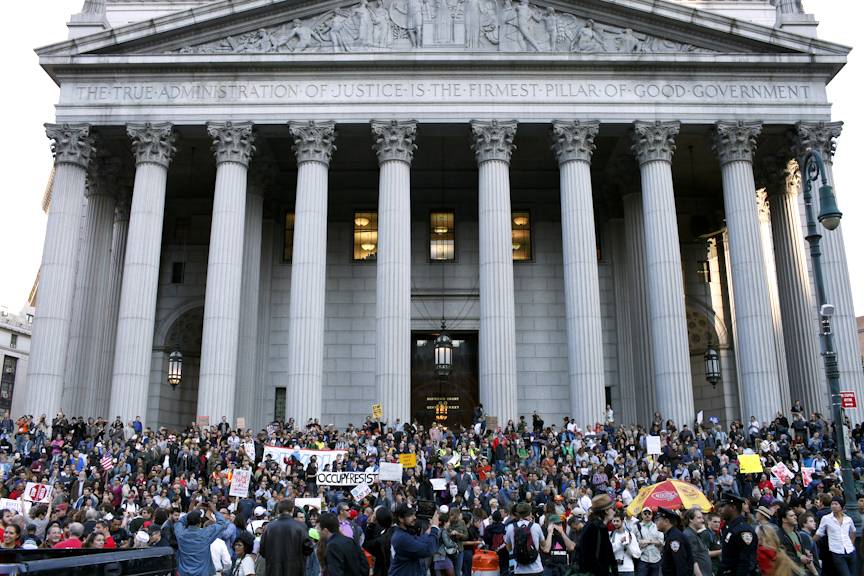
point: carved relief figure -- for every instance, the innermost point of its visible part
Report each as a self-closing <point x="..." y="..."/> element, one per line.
<point x="789" y="6"/>
<point x="414" y="21"/>
<point x="363" y="22"/>
<point x="524" y="17"/>
<point x="93" y="7"/>
<point x="299" y="31"/>
<point x="472" y="23"/>
<point x="626" y="41"/>
<point x="588" y="39"/>
<point x="380" y="25"/>
<point x="551" y="23"/>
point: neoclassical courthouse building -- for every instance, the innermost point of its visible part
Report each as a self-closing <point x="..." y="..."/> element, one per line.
<point x="276" y="203"/>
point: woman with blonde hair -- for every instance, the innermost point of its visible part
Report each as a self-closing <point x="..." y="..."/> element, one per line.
<point x="771" y="557"/>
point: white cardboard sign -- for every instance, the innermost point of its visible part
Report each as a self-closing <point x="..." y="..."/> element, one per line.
<point x="240" y="483"/>
<point x="390" y="471"/>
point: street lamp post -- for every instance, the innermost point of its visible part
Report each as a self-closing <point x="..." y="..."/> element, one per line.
<point x="812" y="170"/>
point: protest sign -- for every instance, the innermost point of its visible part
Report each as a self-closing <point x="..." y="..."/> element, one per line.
<point x="491" y="422"/>
<point x="249" y="449"/>
<point x="377" y="411"/>
<point x="322" y="457"/>
<point x="390" y="471"/>
<point x="202" y="421"/>
<point x="37" y="493"/>
<point x="807" y="475"/>
<point x="700" y="416"/>
<point x="652" y="444"/>
<point x="311" y="502"/>
<point x="408" y="460"/>
<point x="361" y="491"/>
<point x="749" y="463"/>
<point x="241" y="422"/>
<point x="439" y="484"/>
<point x="782" y="472"/>
<point x="8" y="504"/>
<point x="240" y="483"/>
<point x="345" y="478"/>
<point x="454" y="490"/>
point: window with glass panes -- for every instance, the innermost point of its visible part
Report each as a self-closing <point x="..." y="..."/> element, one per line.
<point x="288" y="246"/>
<point x="520" y="224"/>
<point x="365" y="236"/>
<point x="442" y="236"/>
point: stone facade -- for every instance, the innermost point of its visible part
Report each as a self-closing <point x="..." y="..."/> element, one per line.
<point x="277" y="121"/>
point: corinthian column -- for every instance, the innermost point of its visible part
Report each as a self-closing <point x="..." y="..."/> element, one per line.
<point x="233" y="146"/>
<point x="153" y="146"/>
<point x="394" y="144"/>
<point x="313" y="145"/>
<point x="653" y="145"/>
<point x="84" y="352"/>
<point x="493" y="146"/>
<point x="573" y="144"/>
<point x="821" y="136"/>
<point x="72" y="147"/>
<point x="758" y="378"/>
<point x="797" y="305"/>
<point x="101" y="394"/>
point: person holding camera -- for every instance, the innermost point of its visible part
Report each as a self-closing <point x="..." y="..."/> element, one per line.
<point x="194" y="540"/>
<point x="556" y="547"/>
<point x="624" y="546"/>
<point x="410" y="547"/>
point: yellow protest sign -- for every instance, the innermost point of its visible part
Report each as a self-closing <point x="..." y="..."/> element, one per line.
<point x="408" y="460"/>
<point x="377" y="411"/>
<point x="750" y="463"/>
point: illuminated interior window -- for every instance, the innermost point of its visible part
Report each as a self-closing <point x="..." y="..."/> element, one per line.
<point x="442" y="236"/>
<point x="365" y="235"/>
<point x="288" y="248"/>
<point x="521" y="231"/>
<point x="279" y="405"/>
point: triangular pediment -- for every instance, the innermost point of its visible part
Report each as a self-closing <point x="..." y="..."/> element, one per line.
<point x="553" y="27"/>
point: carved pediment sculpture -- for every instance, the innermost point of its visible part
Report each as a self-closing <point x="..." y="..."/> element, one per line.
<point x="442" y="25"/>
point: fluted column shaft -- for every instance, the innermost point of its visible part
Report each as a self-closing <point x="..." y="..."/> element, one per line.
<point x="394" y="145"/>
<point x="573" y="144"/>
<point x="154" y="149"/>
<point x="821" y="136"/>
<point x="654" y="144"/>
<point x="84" y="354"/>
<point x="101" y="391"/>
<point x="797" y="304"/>
<point x="233" y="146"/>
<point x="758" y="377"/>
<point x="493" y="146"/>
<point x="247" y="359"/>
<point x="637" y="281"/>
<point x="72" y="147"/>
<point x="630" y="399"/>
<point x="313" y="145"/>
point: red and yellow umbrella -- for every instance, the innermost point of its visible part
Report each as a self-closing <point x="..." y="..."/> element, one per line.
<point x="671" y="494"/>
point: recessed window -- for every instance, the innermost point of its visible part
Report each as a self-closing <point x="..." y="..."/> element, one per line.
<point x="704" y="271"/>
<point x="178" y="272"/>
<point x="279" y="407"/>
<point x="13" y="341"/>
<point x="288" y="246"/>
<point x="520" y="224"/>
<point x="442" y="236"/>
<point x="365" y="236"/>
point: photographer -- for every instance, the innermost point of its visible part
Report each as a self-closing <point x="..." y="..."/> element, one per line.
<point x="410" y="549"/>
<point x="194" y="540"/>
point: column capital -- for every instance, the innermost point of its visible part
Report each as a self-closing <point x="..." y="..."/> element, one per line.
<point x="71" y="143"/>
<point x="654" y="140"/>
<point x="493" y="140"/>
<point x="103" y="176"/>
<point x="819" y="136"/>
<point x="394" y="140"/>
<point x="124" y="203"/>
<point x="152" y="143"/>
<point x="779" y="174"/>
<point x="736" y="141"/>
<point x="313" y="141"/>
<point x="574" y="140"/>
<point x="232" y="141"/>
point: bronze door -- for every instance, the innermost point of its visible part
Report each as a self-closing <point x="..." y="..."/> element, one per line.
<point x="451" y="402"/>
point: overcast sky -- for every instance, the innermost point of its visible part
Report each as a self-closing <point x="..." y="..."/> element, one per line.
<point x="29" y="96"/>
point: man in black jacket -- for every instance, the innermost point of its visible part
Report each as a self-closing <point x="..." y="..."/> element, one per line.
<point x="343" y="556"/>
<point x="379" y="530"/>
<point x="285" y="543"/>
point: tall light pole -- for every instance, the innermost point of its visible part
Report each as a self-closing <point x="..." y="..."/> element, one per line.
<point x="813" y="170"/>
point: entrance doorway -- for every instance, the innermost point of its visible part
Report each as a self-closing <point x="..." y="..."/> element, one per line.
<point x="451" y="402"/>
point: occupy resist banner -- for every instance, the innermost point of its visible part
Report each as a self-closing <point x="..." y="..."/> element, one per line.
<point x="323" y="457"/>
<point x="346" y="478"/>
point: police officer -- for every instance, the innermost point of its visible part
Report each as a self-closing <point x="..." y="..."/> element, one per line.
<point x="739" y="540"/>
<point x="677" y="557"/>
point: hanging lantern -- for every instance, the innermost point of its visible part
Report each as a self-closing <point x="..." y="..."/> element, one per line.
<point x="712" y="365"/>
<point x="443" y="353"/>
<point x="175" y="368"/>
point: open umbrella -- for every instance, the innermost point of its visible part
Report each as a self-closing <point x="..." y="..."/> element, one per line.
<point x="671" y="494"/>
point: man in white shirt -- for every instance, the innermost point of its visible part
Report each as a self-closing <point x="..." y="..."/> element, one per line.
<point x="221" y="556"/>
<point x="841" y="538"/>
<point x="523" y="519"/>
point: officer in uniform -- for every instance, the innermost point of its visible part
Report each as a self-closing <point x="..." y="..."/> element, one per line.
<point x="677" y="559"/>
<point x="739" y="540"/>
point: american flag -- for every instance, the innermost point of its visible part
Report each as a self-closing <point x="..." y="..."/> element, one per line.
<point x="107" y="462"/>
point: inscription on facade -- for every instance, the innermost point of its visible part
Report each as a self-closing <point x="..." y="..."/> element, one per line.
<point x="440" y="92"/>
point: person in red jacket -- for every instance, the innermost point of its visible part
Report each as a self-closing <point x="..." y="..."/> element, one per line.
<point x="75" y="532"/>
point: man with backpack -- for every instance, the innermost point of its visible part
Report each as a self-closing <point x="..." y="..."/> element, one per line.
<point x="523" y="539"/>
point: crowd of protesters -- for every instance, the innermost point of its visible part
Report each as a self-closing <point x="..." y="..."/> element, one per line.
<point x="547" y="499"/>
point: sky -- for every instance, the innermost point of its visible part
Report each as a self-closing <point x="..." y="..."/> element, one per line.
<point x="29" y="97"/>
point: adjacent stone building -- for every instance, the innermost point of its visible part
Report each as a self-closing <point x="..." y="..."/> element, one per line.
<point x="282" y="200"/>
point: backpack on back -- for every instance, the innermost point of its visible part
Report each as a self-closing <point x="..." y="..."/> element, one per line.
<point x="524" y="551"/>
